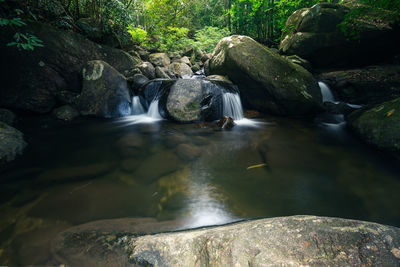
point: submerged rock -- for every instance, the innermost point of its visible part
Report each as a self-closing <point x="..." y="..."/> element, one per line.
<point x="66" y="113"/>
<point x="188" y="152"/>
<point x="297" y="240"/>
<point x="267" y="82"/>
<point x="379" y="126"/>
<point x="33" y="79"/>
<point x="316" y="36"/>
<point x="105" y="91"/>
<point x="12" y="143"/>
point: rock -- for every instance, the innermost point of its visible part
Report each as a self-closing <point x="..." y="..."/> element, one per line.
<point x="144" y="55"/>
<point x="12" y="143"/>
<point x="66" y="113"/>
<point x="218" y="77"/>
<point x="159" y="59"/>
<point x="196" y="67"/>
<point x="138" y="81"/>
<point x="315" y="36"/>
<point x="33" y="79"/>
<point x="105" y="92"/>
<point x="285" y="241"/>
<point x="90" y="28"/>
<point x="52" y="9"/>
<point x="186" y="60"/>
<point x="183" y="103"/>
<point x="147" y="70"/>
<point x="378" y="126"/>
<point x="267" y="82"/>
<point x="174" y="56"/>
<point x="180" y="69"/>
<point x="300" y="61"/>
<point x="369" y="85"/>
<point x="226" y="123"/>
<point x="163" y="73"/>
<point x="7" y="116"/>
<point x="67" y="97"/>
<point x="188" y="152"/>
<point x="205" y="57"/>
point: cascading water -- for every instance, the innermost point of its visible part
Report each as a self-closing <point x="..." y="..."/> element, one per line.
<point x="137" y="107"/>
<point x="153" y="110"/>
<point x="326" y="92"/>
<point x="232" y="106"/>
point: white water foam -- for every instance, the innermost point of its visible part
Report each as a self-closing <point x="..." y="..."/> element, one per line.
<point x="232" y="106"/>
<point x="137" y="107"/>
<point x="326" y="92"/>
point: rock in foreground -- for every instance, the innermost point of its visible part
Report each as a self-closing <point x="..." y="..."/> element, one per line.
<point x="379" y="126"/>
<point x="267" y="81"/>
<point x="11" y="142"/>
<point x="285" y="241"/>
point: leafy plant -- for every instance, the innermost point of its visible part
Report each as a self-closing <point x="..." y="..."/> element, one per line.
<point x="208" y="37"/>
<point x="138" y="34"/>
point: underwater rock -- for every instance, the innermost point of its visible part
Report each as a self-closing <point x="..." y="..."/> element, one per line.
<point x="12" y="143"/>
<point x="267" y="82"/>
<point x="66" y="113"/>
<point x="105" y="92"/>
<point x="283" y="241"/>
<point x="378" y="126"/>
<point x="188" y="152"/>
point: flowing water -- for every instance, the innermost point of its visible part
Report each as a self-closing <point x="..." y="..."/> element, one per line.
<point x="101" y="169"/>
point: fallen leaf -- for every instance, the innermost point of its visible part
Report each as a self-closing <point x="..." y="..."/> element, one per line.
<point x="256" y="166"/>
<point x="390" y="113"/>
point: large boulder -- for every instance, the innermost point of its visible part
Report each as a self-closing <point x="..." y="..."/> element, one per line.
<point x="180" y="69"/>
<point x="285" y="241"/>
<point x="31" y="80"/>
<point x="159" y="59"/>
<point x="370" y="85"/>
<point x="147" y="70"/>
<point x="191" y="100"/>
<point x="12" y="143"/>
<point x="105" y="92"/>
<point x="379" y="126"/>
<point x="316" y="36"/>
<point x="267" y="81"/>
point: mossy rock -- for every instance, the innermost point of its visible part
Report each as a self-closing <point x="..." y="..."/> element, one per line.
<point x="379" y="126"/>
<point x="12" y="143"/>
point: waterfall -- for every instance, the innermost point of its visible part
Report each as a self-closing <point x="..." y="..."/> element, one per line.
<point x="153" y="110"/>
<point x="327" y="95"/>
<point x="137" y="107"/>
<point x="232" y="106"/>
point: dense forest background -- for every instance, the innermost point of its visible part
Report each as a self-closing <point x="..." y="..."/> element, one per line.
<point x="171" y="25"/>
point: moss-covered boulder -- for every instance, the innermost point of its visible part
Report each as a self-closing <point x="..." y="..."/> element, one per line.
<point x="31" y="80"/>
<point x="180" y="69"/>
<point x="105" y="91"/>
<point x="267" y="81"/>
<point x="12" y="143"/>
<point x="285" y="241"/>
<point x="159" y="59"/>
<point x="315" y="34"/>
<point x="379" y="126"/>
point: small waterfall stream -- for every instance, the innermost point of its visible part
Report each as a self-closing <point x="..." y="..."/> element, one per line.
<point x="137" y="107"/>
<point x="327" y="95"/>
<point x="153" y="110"/>
<point x="232" y="106"/>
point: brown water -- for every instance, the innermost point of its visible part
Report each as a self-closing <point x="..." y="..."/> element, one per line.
<point x="92" y="170"/>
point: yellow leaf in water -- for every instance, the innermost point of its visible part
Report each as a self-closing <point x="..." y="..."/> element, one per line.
<point x="390" y="113"/>
<point x="256" y="166"/>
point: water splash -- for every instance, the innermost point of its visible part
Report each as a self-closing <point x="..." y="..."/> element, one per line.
<point x="232" y="106"/>
<point x="137" y="107"/>
<point x="326" y="92"/>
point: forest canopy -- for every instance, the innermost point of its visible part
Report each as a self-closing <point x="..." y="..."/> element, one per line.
<point x="171" y="25"/>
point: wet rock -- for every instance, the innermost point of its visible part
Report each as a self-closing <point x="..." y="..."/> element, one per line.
<point x="7" y="116"/>
<point x="34" y="78"/>
<point x="369" y="85"/>
<point x="188" y="152"/>
<point x="144" y="55"/>
<point x="147" y="70"/>
<point x="252" y="114"/>
<point x="67" y="97"/>
<point x="180" y="69"/>
<point x="296" y="240"/>
<point x="163" y="73"/>
<point x="159" y="60"/>
<point x="300" y="61"/>
<point x="316" y="36"/>
<point x="267" y="81"/>
<point x="218" y="77"/>
<point x="66" y="113"/>
<point x="186" y="60"/>
<point x="12" y="143"/>
<point x="138" y="81"/>
<point x="378" y="126"/>
<point x="226" y="123"/>
<point x="105" y="92"/>
<point x="156" y="166"/>
<point x="98" y="243"/>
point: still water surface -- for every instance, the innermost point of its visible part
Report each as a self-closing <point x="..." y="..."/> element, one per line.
<point x="92" y="170"/>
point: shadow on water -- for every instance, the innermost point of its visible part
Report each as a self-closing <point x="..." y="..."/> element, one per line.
<point x="197" y="176"/>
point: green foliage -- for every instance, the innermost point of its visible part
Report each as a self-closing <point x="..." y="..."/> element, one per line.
<point x="173" y="39"/>
<point x="208" y="37"/>
<point x="138" y="34"/>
